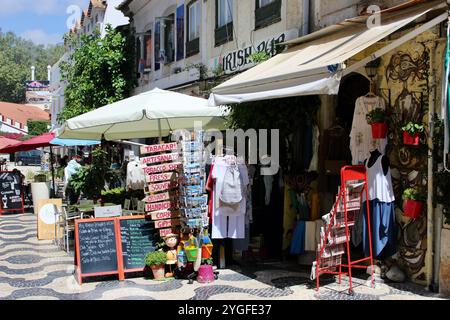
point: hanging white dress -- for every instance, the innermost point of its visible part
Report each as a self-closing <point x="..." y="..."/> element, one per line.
<point x="361" y="141"/>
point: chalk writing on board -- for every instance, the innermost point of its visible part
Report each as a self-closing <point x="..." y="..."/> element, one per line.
<point x="137" y="241"/>
<point x="97" y="246"/>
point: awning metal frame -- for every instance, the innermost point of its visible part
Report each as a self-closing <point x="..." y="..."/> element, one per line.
<point x="395" y="44"/>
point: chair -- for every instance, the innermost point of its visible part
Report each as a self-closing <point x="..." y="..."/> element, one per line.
<point x="134" y="203"/>
<point x="127" y="204"/>
<point x="65" y="222"/>
<point x="141" y="207"/>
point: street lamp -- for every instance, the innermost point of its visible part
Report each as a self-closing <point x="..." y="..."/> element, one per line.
<point x="372" y="68"/>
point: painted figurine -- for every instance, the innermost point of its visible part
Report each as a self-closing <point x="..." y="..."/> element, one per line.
<point x="171" y="241"/>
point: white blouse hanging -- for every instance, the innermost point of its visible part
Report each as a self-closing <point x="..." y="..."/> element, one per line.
<point x="361" y="141"/>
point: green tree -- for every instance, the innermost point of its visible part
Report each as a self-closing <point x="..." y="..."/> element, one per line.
<point x="36" y="128"/>
<point x="99" y="72"/>
<point x="16" y="58"/>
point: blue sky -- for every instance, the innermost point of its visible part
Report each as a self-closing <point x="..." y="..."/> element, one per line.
<point x="41" y="21"/>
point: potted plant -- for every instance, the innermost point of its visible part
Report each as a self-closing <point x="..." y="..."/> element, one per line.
<point x="413" y="203"/>
<point x="377" y="119"/>
<point x="157" y="262"/>
<point x="411" y="133"/>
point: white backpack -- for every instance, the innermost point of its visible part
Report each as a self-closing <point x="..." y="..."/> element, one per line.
<point x="231" y="188"/>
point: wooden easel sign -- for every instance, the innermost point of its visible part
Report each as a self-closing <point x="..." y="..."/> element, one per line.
<point x="96" y="244"/>
<point x="11" y="193"/>
<point x="110" y="246"/>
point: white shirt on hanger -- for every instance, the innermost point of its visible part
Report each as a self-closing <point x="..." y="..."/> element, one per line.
<point x="361" y="141"/>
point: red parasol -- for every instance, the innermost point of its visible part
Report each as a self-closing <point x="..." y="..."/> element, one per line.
<point x="4" y="142"/>
<point x="31" y="144"/>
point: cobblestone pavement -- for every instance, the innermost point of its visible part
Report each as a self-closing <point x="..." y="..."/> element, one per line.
<point x="32" y="269"/>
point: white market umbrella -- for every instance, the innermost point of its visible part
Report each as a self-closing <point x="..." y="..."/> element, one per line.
<point x="150" y="114"/>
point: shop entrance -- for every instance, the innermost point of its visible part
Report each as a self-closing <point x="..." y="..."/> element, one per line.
<point x="335" y="151"/>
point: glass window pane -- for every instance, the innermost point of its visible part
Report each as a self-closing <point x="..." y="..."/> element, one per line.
<point x="263" y="3"/>
<point x="225" y="12"/>
<point x="194" y="21"/>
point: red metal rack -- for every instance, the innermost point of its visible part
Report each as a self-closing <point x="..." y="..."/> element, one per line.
<point x="335" y="240"/>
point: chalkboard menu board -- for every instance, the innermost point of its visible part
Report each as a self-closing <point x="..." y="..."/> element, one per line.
<point x="97" y="247"/>
<point x="137" y="241"/>
<point x="10" y="192"/>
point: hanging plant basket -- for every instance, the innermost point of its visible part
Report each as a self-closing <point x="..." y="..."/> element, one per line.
<point x="379" y="130"/>
<point x="411" y="140"/>
<point x="412" y="208"/>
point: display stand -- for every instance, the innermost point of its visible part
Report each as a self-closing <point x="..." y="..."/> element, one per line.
<point x="335" y="235"/>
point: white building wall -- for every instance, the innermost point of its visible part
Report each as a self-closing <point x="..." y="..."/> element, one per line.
<point x="329" y="12"/>
<point x="146" y="12"/>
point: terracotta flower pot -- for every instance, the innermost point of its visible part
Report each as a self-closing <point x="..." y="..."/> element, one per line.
<point x="159" y="271"/>
<point x="379" y="130"/>
<point x="411" y="140"/>
<point x="207" y="251"/>
<point x="412" y="208"/>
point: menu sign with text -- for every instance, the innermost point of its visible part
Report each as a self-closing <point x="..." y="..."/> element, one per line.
<point x="97" y="247"/>
<point x="10" y="192"/>
<point x="136" y="240"/>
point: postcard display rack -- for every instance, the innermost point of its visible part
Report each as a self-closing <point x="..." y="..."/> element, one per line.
<point x="335" y="234"/>
<point x="193" y="197"/>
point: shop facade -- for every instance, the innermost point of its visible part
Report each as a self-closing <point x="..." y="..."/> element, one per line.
<point x="181" y="45"/>
<point x="409" y="78"/>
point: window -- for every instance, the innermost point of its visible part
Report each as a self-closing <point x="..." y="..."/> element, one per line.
<point x="194" y="18"/>
<point x="263" y="3"/>
<point x="96" y="18"/>
<point x="267" y="12"/>
<point x="224" y="21"/>
<point x="224" y="12"/>
<point x="148" y="48"/>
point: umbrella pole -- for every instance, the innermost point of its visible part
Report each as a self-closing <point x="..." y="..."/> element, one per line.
<point x="160" y="130"/>
<point x="52" y="168"/>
